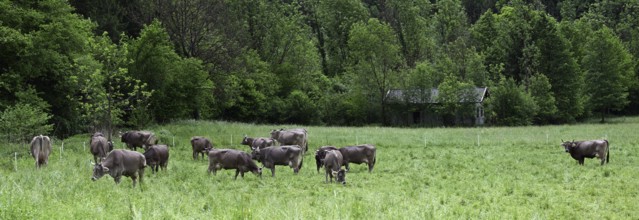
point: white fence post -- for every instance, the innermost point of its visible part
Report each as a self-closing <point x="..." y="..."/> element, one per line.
<point x="15" y="161"/>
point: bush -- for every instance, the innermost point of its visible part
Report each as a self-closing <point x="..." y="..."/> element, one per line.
<point x="23" y="121"/>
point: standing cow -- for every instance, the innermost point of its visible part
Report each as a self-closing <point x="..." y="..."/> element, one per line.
<point x="201" y="146"/>
<point x="157" y="156"/>
<point x="588" y="149"/>
<point x="291" y="155"/>
<point x="259" y="142"/>
<point x="359" y="154"/>
<point x="296" y="136"/>
<point x="320" y="154"/>
<point x="120" y="163"/>
<point x="40" y="150"/>
<point x="100" y="146"/>
<point x="134" y="139"/>
<point x="333" y="165"/>
<point x="232" y="159"/>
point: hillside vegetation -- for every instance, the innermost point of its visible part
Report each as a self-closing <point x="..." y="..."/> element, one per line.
<point x="456" y="173"/>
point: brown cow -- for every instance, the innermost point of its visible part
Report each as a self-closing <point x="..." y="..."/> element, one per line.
<point x="134" y="139"/>
<point x="296" y="136"/>
<point x="157" y="156"/>
<point x="200" y="146"/>
<point x="40" y="150"/>
<point x="100" y="147"/>
<point x="259" y="142"/>
<point x="359" y="154"/>
<point x="291" y="155"/>
<point x="333" y="165"/>
<point x="120" y="163"/>
<point x="588" y="149"/>
<point x="232" y="159"/>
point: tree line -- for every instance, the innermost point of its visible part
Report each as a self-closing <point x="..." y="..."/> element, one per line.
<point x="75" y="66"/>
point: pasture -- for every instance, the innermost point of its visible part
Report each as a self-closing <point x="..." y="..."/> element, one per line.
<point x="421" y="173"/>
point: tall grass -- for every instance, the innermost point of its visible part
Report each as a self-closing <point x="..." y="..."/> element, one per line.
<point x="493" y="172"/>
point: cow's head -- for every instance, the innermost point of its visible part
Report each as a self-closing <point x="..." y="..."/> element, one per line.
<point x="258" y="172"/>
<point x="275" y="134"/>
<point x="247" y="141"/>
<point x="98" y="171"/>
<point x="255" y="154"/>
<point x="568" y="145"/>
<point x="340" y="176"/>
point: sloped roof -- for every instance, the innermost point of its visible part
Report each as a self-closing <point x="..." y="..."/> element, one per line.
<point x="424" y="96"/>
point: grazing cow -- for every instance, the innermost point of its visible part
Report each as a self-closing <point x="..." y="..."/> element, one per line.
<point x="297" y="136"/>
<point x="320" y="154"/>
<point x="134" y="139"/>
<point x="291" y="155"/>
<point x="364" y="153"/>
<point x="40" y="150"/>
<point x="259" y="142"/>
<point x="100" y="147"/>
<point x="232" y="159"/>
<point x="157" y="156"/>
<point x="201" y="146"/>
<point x="333" y="165"/>
<point x="120" y="163"/>
<point x="588" y="149"/>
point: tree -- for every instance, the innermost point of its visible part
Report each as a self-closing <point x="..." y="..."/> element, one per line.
<point x="609" y="69"/>
<point x="541" y="92"/>
<point x="510" y="105"/>
<point x="374" y="60"/>
<point x="456" y="98"/>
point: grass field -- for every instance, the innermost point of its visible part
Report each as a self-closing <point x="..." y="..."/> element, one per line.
<point x="434" y="173"/>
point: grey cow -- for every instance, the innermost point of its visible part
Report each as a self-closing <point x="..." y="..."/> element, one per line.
<point x="157" y="156"/>
<point x="40" y="150"/>
<point x="296" y="136"/>
<point x="120" y="163"/>
<point x="365" y="153"/>
<point x="333" y="165"/>
<point x="100" y="146"/>
<point x="134" y="139"/>
<point x="320" y="154"/>
<point x="201" y="146"/>
<point x="259" y="142"/>
<point x="291" y="156"/>
<point x="588" y="149"/>
<point x="232" y="159"/>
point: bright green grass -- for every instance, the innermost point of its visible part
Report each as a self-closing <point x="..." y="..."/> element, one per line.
<point x="450" y="173"/>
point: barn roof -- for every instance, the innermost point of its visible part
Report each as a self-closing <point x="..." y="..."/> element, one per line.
<point x="426" y="96"/>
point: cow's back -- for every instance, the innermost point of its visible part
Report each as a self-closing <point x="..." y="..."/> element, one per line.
<point x="125" y="161"/>
<point x="99" y="146"/>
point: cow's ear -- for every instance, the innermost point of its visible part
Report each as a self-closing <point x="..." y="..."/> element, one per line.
<point x="105" y="169"/>
<point x="573" y="144"/>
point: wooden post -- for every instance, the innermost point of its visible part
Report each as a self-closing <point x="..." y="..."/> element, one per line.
<point x="15" y="161"/>
<point x="61" y="149"/>
<point x="477" y="140"/>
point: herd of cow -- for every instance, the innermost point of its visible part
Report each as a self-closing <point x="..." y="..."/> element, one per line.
<point x="283" y="148"/>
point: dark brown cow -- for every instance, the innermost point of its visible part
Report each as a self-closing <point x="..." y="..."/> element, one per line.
<point x="588" y="149"/>
<point x="232" y="159"/>
<point x="333" y="162"/>
<point x="291" y="155"/>
<point x="100" y="146"/>
<point x="259" y="142"/>
<point x="320" y="154"/>
<point x="296" y="136"/>
<point x="134" y="139"/>
<point x="120" y="163"/>
<point x="359" y="154"/>
<point x="157" y="156"/>
<point x="40" y="150"/>
<point x="200" y="146"/>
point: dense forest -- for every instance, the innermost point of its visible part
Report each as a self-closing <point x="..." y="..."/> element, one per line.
<point x="76" y="66"/>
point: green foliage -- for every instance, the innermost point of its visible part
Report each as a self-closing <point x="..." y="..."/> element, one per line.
<point x="456" y="99"/>
<point x="541" y="92"/>
<point x="181" y="86"/>
<point x="609" y="71"/>
<point x="510" y="105"/>
<point x="23" y="121"/>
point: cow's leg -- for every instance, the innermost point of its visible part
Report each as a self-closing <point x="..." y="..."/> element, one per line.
<point x="195" y="154"/>
<point x="237" y="171"/>
<point x="346" y="165"/>
<point x="134" y="178"/>
<point x="581" y="161"/>
<point x="326" y="177"/>
<point x="116" y="179"/>
<point x="273" y="171"/>
<point x="141" y="174"/>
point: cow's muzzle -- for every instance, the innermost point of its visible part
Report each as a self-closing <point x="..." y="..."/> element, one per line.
<point x="94" y="179"/>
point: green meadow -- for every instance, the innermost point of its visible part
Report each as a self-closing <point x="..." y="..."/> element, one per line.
<point x="421" y="173"/>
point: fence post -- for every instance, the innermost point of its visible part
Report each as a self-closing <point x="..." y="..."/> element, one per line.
<point x="61" y="150"/>
<point x="15" y="161"/>
<point x="477" y="140"/>
<point x="173" y="141"/>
